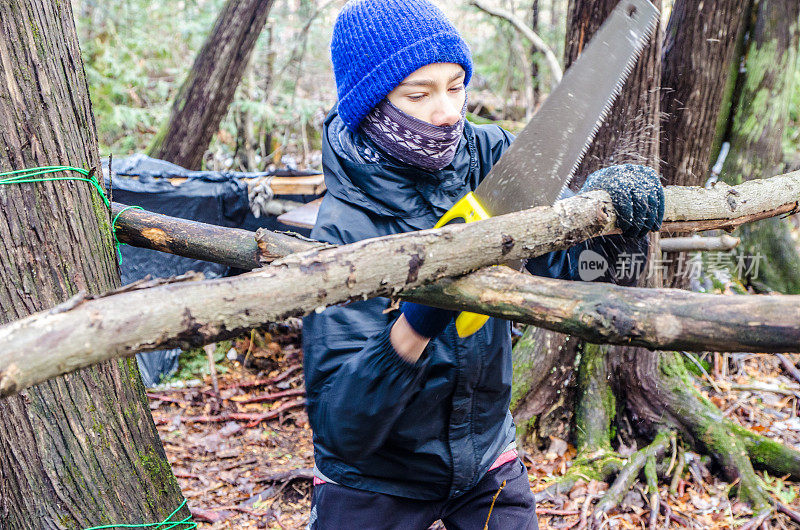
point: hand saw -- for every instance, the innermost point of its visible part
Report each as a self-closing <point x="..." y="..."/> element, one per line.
<point x="541" y="161"/>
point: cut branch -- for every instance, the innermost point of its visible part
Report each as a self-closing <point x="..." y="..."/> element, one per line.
<point x="688" y="209"/>
<point x="194" y="313"/>
<point x="230" y="246"/>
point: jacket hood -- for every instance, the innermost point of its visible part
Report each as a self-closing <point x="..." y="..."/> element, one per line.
<point x="358" y="172"/>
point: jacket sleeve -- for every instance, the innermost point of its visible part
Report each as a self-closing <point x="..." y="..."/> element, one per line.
<point x="611" y="259"/>
<point x="356" y="383"/>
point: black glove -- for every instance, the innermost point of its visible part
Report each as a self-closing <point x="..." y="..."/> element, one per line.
<point x="426" y="320"/>
<point x="636" y="193"/>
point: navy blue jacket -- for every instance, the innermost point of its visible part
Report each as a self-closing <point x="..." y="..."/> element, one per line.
<point x="428" y="430"/>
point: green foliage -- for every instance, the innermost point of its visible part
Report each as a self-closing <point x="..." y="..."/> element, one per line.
<point x="785" y="493"/>
<point x="193" y="363"/>
<point x="791" y="140"/>
<point x="136" y="53"/>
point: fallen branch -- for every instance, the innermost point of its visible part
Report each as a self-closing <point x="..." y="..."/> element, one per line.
<point x="252" y="418"/>
<point x="229" y="246"/>
<point x="688" y="209"/>
<point x="657" y="319"/>
<point x="268" y="381"/>
<point x="86" y="331"/>
<point x="790" y="367"/>
<point x="264" y="398"/>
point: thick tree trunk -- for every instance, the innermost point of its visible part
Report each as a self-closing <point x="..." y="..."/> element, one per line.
<point x="625" y="136"/>
<point x="700" y="44"/>
<point x="757" y="130"/>
<point x="208" y="91"/>
<point x="79" y="450"/>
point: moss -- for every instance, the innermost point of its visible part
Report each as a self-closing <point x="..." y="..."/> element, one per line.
<point x="159" y="472"/>
<point x="595" y="466"/>
<point x="596" y="402"/>
<point x="768" y="454"/>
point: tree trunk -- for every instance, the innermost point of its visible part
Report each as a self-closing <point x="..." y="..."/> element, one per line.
<point x="659" y="392"/>
<point x="205" y="95"/>
<point x="82" y="449"/>
<point x="699" y="48"/>
<point x="758" y="124"/>
<point x="534" y="51"/>
<point x="625" y="136"/>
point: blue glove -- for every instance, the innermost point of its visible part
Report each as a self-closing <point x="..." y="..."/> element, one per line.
<point x="636" y="193"/>
<point x="427" y="321"/>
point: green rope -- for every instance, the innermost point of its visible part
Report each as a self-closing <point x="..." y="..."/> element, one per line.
<point x="26" y="175"/>
<point x="21" y="176"/>
<point x="157" y="526"/>
<point x="114" y="227"/>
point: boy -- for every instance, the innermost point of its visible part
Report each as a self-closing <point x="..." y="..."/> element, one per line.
<point x="411" y="423"/>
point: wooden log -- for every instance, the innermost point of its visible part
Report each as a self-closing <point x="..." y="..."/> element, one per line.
<point x="688" y="209"/>
<point x="230" y="246"/>
<point x="658" y="319"/>
<point x="85" y="331"/>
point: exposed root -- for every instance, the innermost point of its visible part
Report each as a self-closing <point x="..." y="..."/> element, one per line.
<point x="652" y="488"/>
<point x="678" y="472"/>
<point x="760" y="517"/>
<point x="630" y="472"/>
<point x="775" y="457"/>
<point x="598" y="466"/>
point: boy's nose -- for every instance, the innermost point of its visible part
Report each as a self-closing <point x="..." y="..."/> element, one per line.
<point x="446" y="115"/>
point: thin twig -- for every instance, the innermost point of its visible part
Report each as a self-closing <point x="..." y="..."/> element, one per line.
<point x="528" y="33"/>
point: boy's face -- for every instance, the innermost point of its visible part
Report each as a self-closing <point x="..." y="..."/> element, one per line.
<point x="434" y="93"/>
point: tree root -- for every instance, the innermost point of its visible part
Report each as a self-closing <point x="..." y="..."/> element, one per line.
<point x="599" y="466"/>
<point x="630" y="472"/>
<point x="760" y="517"/>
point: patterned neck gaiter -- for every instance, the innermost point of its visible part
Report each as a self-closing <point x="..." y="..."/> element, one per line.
<point x="412" y="140"/>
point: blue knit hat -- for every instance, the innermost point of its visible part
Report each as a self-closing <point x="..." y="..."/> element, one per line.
<point x="378" y="43"/>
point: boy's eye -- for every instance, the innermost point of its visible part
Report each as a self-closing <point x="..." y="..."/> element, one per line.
<point x="457" y="88"/>
<point x="415" y="97"/>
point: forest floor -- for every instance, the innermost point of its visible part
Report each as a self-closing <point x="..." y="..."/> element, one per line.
<point x="243" y="456"/>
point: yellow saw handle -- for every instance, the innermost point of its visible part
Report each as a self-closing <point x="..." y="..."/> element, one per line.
<point x="469" y="209"/>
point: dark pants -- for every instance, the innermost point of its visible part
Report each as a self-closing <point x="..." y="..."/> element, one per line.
<point x="335" y="507"/>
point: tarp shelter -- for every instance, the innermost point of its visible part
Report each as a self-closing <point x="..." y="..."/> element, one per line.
<point x="214" y="197"/>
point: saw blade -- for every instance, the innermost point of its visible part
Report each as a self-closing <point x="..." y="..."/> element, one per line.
<point x="541" y="160"/>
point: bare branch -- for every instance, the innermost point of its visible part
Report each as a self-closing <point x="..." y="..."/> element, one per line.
<point x="528" y="33"/>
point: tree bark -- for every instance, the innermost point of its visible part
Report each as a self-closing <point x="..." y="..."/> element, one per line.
<point x="208" y="91"/>
<point x="81" y="449"/>
<point x="758" y="124"/>
<point x="699" y="48"/>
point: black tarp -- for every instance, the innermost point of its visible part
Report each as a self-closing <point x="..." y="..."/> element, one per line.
<point x="213" y="197"/>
